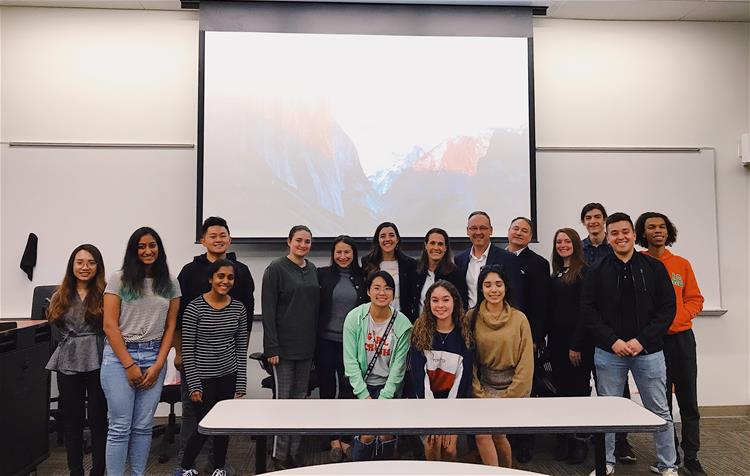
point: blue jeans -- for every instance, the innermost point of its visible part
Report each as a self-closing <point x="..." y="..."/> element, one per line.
<point x="378" y="450"/>
<point x="130" y="411"/>
<point x="650" y="375"/>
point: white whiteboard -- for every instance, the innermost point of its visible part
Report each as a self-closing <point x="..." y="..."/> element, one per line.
<point x="678" y="183"/>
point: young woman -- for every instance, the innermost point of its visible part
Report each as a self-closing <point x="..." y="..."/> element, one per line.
<point x="376" y="344"/>
<point x="140" y="308"/>
<point x="386" y="255"/>
<point x="214" y="352"/>
<point x="290" y="299"/>
<point x="76" y="311"/>
<point x="571" y="350"/>
<point x="441" y="358"/>
<point x="504" y="362"/>
<point x="342" y="288"/>
<point x="435" y="263"/>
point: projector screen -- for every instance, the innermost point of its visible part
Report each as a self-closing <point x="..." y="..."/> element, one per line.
<point x="342" y="132"/>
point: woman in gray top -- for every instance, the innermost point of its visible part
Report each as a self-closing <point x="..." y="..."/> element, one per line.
<point x="290" y="300"/>
<point x="76" y="311"/>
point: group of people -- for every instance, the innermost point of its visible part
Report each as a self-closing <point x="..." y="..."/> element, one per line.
<point x="385" y="326"/>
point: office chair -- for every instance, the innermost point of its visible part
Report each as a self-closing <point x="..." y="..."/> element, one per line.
<point x="171" y="393"/>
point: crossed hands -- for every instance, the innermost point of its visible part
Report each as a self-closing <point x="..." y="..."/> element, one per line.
<point x="630" y="348"/>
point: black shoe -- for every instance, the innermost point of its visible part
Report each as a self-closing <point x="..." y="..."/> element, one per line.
<point x="693" y="467"/>
<point x="562" y="447"/>
<point x="523" y="455"/>
<point x="624" y="452"/>
<point x="580" y="450"/>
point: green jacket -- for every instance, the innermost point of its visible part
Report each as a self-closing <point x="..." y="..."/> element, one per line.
<point x="355" y="356"/>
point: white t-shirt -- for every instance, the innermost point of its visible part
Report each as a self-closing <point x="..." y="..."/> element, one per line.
<point x="429" y="281"/>
<point x="472" y="274"/>
<point x="375" y="330"/>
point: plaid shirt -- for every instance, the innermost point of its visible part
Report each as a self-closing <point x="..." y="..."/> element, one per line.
<point x="594" y="254"/>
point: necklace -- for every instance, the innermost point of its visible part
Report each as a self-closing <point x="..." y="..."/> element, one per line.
<point x="443" y="336"/>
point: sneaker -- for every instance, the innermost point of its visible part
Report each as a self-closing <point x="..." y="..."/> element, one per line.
<point x="654" y="468"/>
<point x="610" y="470"/>
<point x="185" y="472"/>
<point x="624" y="452"/>
<point x="693" y="467"/>
<point x="219" y="472"/>
<point x="670" y="472"/>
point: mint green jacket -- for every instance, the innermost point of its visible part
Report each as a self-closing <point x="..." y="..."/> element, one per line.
<point x="355" y="356"/>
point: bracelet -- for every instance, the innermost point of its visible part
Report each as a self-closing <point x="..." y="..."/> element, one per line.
<point x="131" y="364"/>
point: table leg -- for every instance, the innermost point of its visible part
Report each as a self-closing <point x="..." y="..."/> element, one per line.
<point x="260" y="454"/>
<point x="600" y="455"/>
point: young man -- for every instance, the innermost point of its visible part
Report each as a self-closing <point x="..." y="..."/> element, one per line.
<point x="595" y="247"/>
<point x="628" y="302"/>
<point x="656" y="232"/>
<point x="535" y="275"/>
<point x="193" y="282"/>
<point x="482" y="253"/>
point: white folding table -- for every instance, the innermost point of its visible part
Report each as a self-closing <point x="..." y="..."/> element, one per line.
<point x="597" y="415"/>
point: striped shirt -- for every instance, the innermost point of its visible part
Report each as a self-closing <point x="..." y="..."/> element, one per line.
<point x="214" y="343"/>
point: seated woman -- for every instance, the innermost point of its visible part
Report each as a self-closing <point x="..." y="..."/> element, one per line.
<point x="504" y="361"/>
<point x="214" y="352"/>
<point x="376" y="343"/>
<point x="441" y="359"/>
<point x="435" y="263"/>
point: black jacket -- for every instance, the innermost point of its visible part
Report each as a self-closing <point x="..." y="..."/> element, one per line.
<point x="454" y="277"/>
<point x="407" y="270"/>
<point x="193" y="280"/>
<point x="328" y="277"/>
<point x="537" y="286"/>
<point x="565" y="320"/>
<point x="654" y="301"/>
<point x="510" y="265"/>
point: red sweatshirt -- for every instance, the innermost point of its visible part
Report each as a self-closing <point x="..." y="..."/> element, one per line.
<point x="689" y="298"/>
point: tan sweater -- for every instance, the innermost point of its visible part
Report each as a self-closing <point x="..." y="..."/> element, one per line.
<point x="504" y="342"/>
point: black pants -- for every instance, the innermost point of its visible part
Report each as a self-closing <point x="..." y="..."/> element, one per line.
<point x="73" y="391"/>
<point x="214" y="391"/>
<point x="570" y="381"/>
<point x="682" y="372"/>
<point x="329" y="366"/>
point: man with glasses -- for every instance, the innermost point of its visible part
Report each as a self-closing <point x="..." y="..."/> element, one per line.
<point x="483" y="253"/>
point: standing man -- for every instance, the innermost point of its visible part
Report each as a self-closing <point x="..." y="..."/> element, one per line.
<point x="595" y="247"/>
<point x="628" y="302"/>
<point x="193" y="280"/>
<point x="656" y="232"/>
<point x="535" y="275"/>
<point x="482" y="253"/>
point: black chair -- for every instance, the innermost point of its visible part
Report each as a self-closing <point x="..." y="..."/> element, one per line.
<point x="171" y="394"/>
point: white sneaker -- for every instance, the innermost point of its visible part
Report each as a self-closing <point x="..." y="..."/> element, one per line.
<point x="669" y="472"/>
<point x="610" y="470"/>
<point x="654" y="468"/>
<point x="219" y="472"/>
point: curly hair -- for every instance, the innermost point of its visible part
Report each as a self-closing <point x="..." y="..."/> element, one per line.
<point x="640" y="229"/>
<point x="423" y="331"/>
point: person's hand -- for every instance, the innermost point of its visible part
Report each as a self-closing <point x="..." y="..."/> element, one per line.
<point x="274" y="360"/>
<point x="178" y="362"/>
<point x="134" y="375"/>
<point x="635" y="346"/>
<point x="621" y="348"/>
<point x="150" y="376"/>
<point x="196" y="396"/>
<point x="575" y="358"/>
<point x="449" y="441"/>
<point x="239" y="395"/>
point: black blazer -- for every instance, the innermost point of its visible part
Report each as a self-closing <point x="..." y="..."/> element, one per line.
<point x="328" y="277"/>
<point x="510" y="265"/>
<point x="407" y="271"/>
<point x="454" y="277"/>
<point x="535" y="275"/>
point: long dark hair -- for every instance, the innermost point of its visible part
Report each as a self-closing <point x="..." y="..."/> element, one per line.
<point x="577" y="259"/>
<point x="445" y="266"/>
<point x="134" y="271"/>
<point x="65" y="294"/>
<point x="483" y="273"/>
<point x="423" y="332"/>
<point x="372" y="259"/>
<point x="347" y="240"/>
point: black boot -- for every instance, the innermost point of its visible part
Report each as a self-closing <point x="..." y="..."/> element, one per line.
<point x="579" y="451"/>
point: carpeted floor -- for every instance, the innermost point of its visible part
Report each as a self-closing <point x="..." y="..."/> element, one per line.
<point x="725" y="451"/>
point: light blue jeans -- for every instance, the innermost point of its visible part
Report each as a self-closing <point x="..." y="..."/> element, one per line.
<point x="650" y="375"/>
<point x="130" y="411"/>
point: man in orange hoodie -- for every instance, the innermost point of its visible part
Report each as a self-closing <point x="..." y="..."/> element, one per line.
<point x="656" y="232"/>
